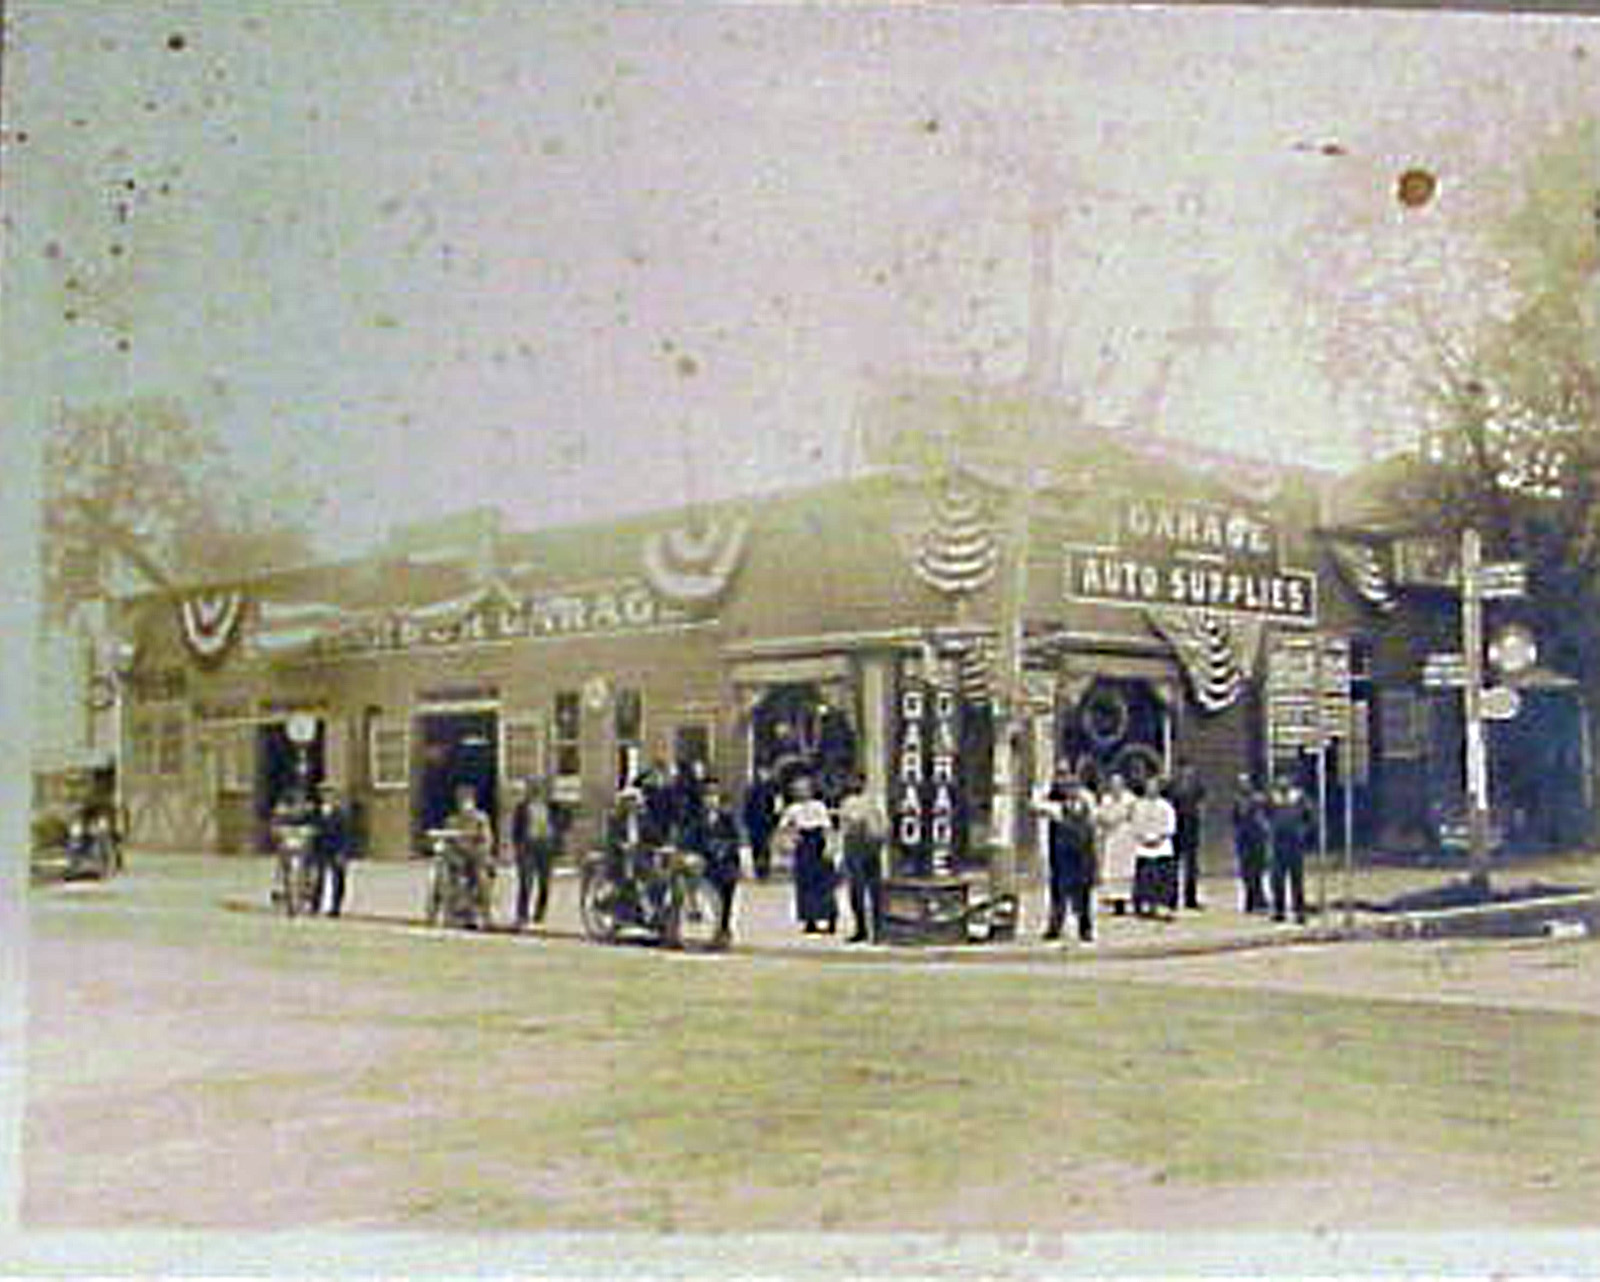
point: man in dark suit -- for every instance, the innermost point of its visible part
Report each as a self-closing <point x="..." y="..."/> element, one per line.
<point x="712" y="833"/>
<point x="331" y="849"/>
<point x="534" y="846"/>
<point x="760" y="819"/>
<point x="1292" y="822"/>
<point x="1188" y="795"/>
<point x="1070" y="811"/>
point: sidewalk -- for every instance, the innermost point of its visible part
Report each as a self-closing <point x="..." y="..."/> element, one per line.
<point x="391" y="893"/>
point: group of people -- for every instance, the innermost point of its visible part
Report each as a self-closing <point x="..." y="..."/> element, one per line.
<point x="332" y="843"/>
<point x="1140" y="847"/>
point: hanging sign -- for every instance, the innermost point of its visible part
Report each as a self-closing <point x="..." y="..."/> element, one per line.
<point x="1209" y="556"/>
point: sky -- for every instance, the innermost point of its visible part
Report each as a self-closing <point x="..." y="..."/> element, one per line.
<point x="577" y="259"/>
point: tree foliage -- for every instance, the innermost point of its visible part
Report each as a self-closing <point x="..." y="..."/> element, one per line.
<point x="140" y="481"/>
<point x="1514" y="447"/>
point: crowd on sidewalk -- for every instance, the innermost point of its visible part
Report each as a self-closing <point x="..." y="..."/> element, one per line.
<point x="1133" y="850"/>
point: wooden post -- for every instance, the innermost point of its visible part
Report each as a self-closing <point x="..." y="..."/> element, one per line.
<point x="1477" y="753"/>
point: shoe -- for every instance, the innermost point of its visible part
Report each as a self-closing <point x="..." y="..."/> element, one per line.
<point x="1278" y="917"/>
<point x="1195" y="908"/>
<point x="1051" y="934"/>
<point x="1090" y="942"/>
<point x="811" y="929"/>
<point x="857" y="938"/>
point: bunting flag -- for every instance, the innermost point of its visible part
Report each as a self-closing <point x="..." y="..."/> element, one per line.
<point x="1217" y="654"/>
<point x="210" y="622"/>
<point x="283" y="627"/>
<point x="695" y="566"/>
<point x="958" y="552"/>
<point x="1367" y="571"/>
<point x="974" y="659"/>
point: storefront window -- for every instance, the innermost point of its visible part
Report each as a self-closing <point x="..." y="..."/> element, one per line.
<point x="390" y="752"/>
<point x="568" y="724"/>
<point x="628" y="721"/>
<point x="169" y="746"/>
<point x="523" y="755"/>
<point x="236" y="747"/>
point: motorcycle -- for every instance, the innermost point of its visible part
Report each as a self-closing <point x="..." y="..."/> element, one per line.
<point x="460" y="882"/>
<point x="93" y="850"/>
<point x="663" y="893"/>
<point x="295" y="891"/>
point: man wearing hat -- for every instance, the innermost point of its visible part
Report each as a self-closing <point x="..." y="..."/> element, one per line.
<point x="331" y="849"/>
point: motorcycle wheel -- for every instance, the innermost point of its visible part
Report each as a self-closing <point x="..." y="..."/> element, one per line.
<point x="433" y="899"/>
<point x="599" y="900"/>
<point x="292" y="878"/>
<point x="694" y="920"/>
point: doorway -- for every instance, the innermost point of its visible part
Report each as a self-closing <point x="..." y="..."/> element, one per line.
<point x="456" y="749"/>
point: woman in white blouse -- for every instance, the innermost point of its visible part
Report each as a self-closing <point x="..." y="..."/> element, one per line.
<point x="1113" y="820"/>
<point x="806" y="823"/>
<point x="1155" y="880"/>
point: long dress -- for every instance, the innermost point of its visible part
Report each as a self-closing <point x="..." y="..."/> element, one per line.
<point x="1156" y="868"/>
<point x="1119" y="847"/>
<point x="814" y="901"/>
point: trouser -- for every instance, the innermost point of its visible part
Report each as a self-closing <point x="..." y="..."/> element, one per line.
<point x="533" y="880"/>
<point x="330" y="884"/>
<point x="1289" y="866"/>
<point x="726" y="885"/>
<point x="865" y="873"/>
<point x="761" y="852"/>
<point x="1189" y="867"/>
<point x="1252" y="877"/>
<point x="1079" y="895"/>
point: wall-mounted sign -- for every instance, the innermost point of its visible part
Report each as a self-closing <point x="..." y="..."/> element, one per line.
<point x="1205" y="556"/>
<point x="927" y="780"/>
<point x="498" y="616"/>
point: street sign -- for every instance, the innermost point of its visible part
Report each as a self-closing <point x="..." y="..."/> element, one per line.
<point x="1513" y="649"/>
<point x="1500" y="580"/>
<point x="1500" y="703"/>
<point x="1442" y="670"/>
<point x="1334" y="682"/>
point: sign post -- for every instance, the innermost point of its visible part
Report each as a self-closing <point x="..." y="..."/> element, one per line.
<point x="1477" y="749"/>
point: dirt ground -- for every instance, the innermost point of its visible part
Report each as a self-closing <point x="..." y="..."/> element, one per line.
<point x="194" y="1066"/>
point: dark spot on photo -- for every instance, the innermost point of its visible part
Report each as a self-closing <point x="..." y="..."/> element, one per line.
<point x="123" y="345"/>
<point x="176" y="42"/>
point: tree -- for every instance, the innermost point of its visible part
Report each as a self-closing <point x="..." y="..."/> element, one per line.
<point x="141" y="480"/>
<point x="1513" y="446"/>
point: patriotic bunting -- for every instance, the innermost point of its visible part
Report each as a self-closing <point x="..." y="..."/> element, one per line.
<point x="1367" y="571"/>
<point x="1217" y="653"/>
<point x="959" y="552"/>
<point x="210" y="621"/>
<point x="695" y="566"/>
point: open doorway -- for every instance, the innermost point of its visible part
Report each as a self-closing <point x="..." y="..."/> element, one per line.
<point x="796" y="731"/>
<point x="456" y="748"/>
<point x="1118" y="726"/>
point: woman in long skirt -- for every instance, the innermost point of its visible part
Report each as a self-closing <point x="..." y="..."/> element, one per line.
<point x="1155" y="878"/>
<point x="806" y="820"/>
<point x="1113" y="819"/>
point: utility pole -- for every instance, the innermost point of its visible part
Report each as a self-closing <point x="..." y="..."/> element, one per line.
<point x="1477" y="749"/>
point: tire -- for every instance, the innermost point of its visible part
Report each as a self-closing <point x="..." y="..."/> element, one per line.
<point x="598" y="898"/>
<point x="433" y="897"/>
<point x="291" y="872"/>
<point x="694" y="921"/>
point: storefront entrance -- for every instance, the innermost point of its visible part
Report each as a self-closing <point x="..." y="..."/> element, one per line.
<point x="1117" y="725"/>
<point x="455" y="748"/>
<point x="281" y="769"/>
<point x="795" y="730"/>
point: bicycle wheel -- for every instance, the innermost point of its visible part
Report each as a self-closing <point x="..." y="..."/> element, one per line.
<point x="599" y="905"/>
<point x="695" y="918"/>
